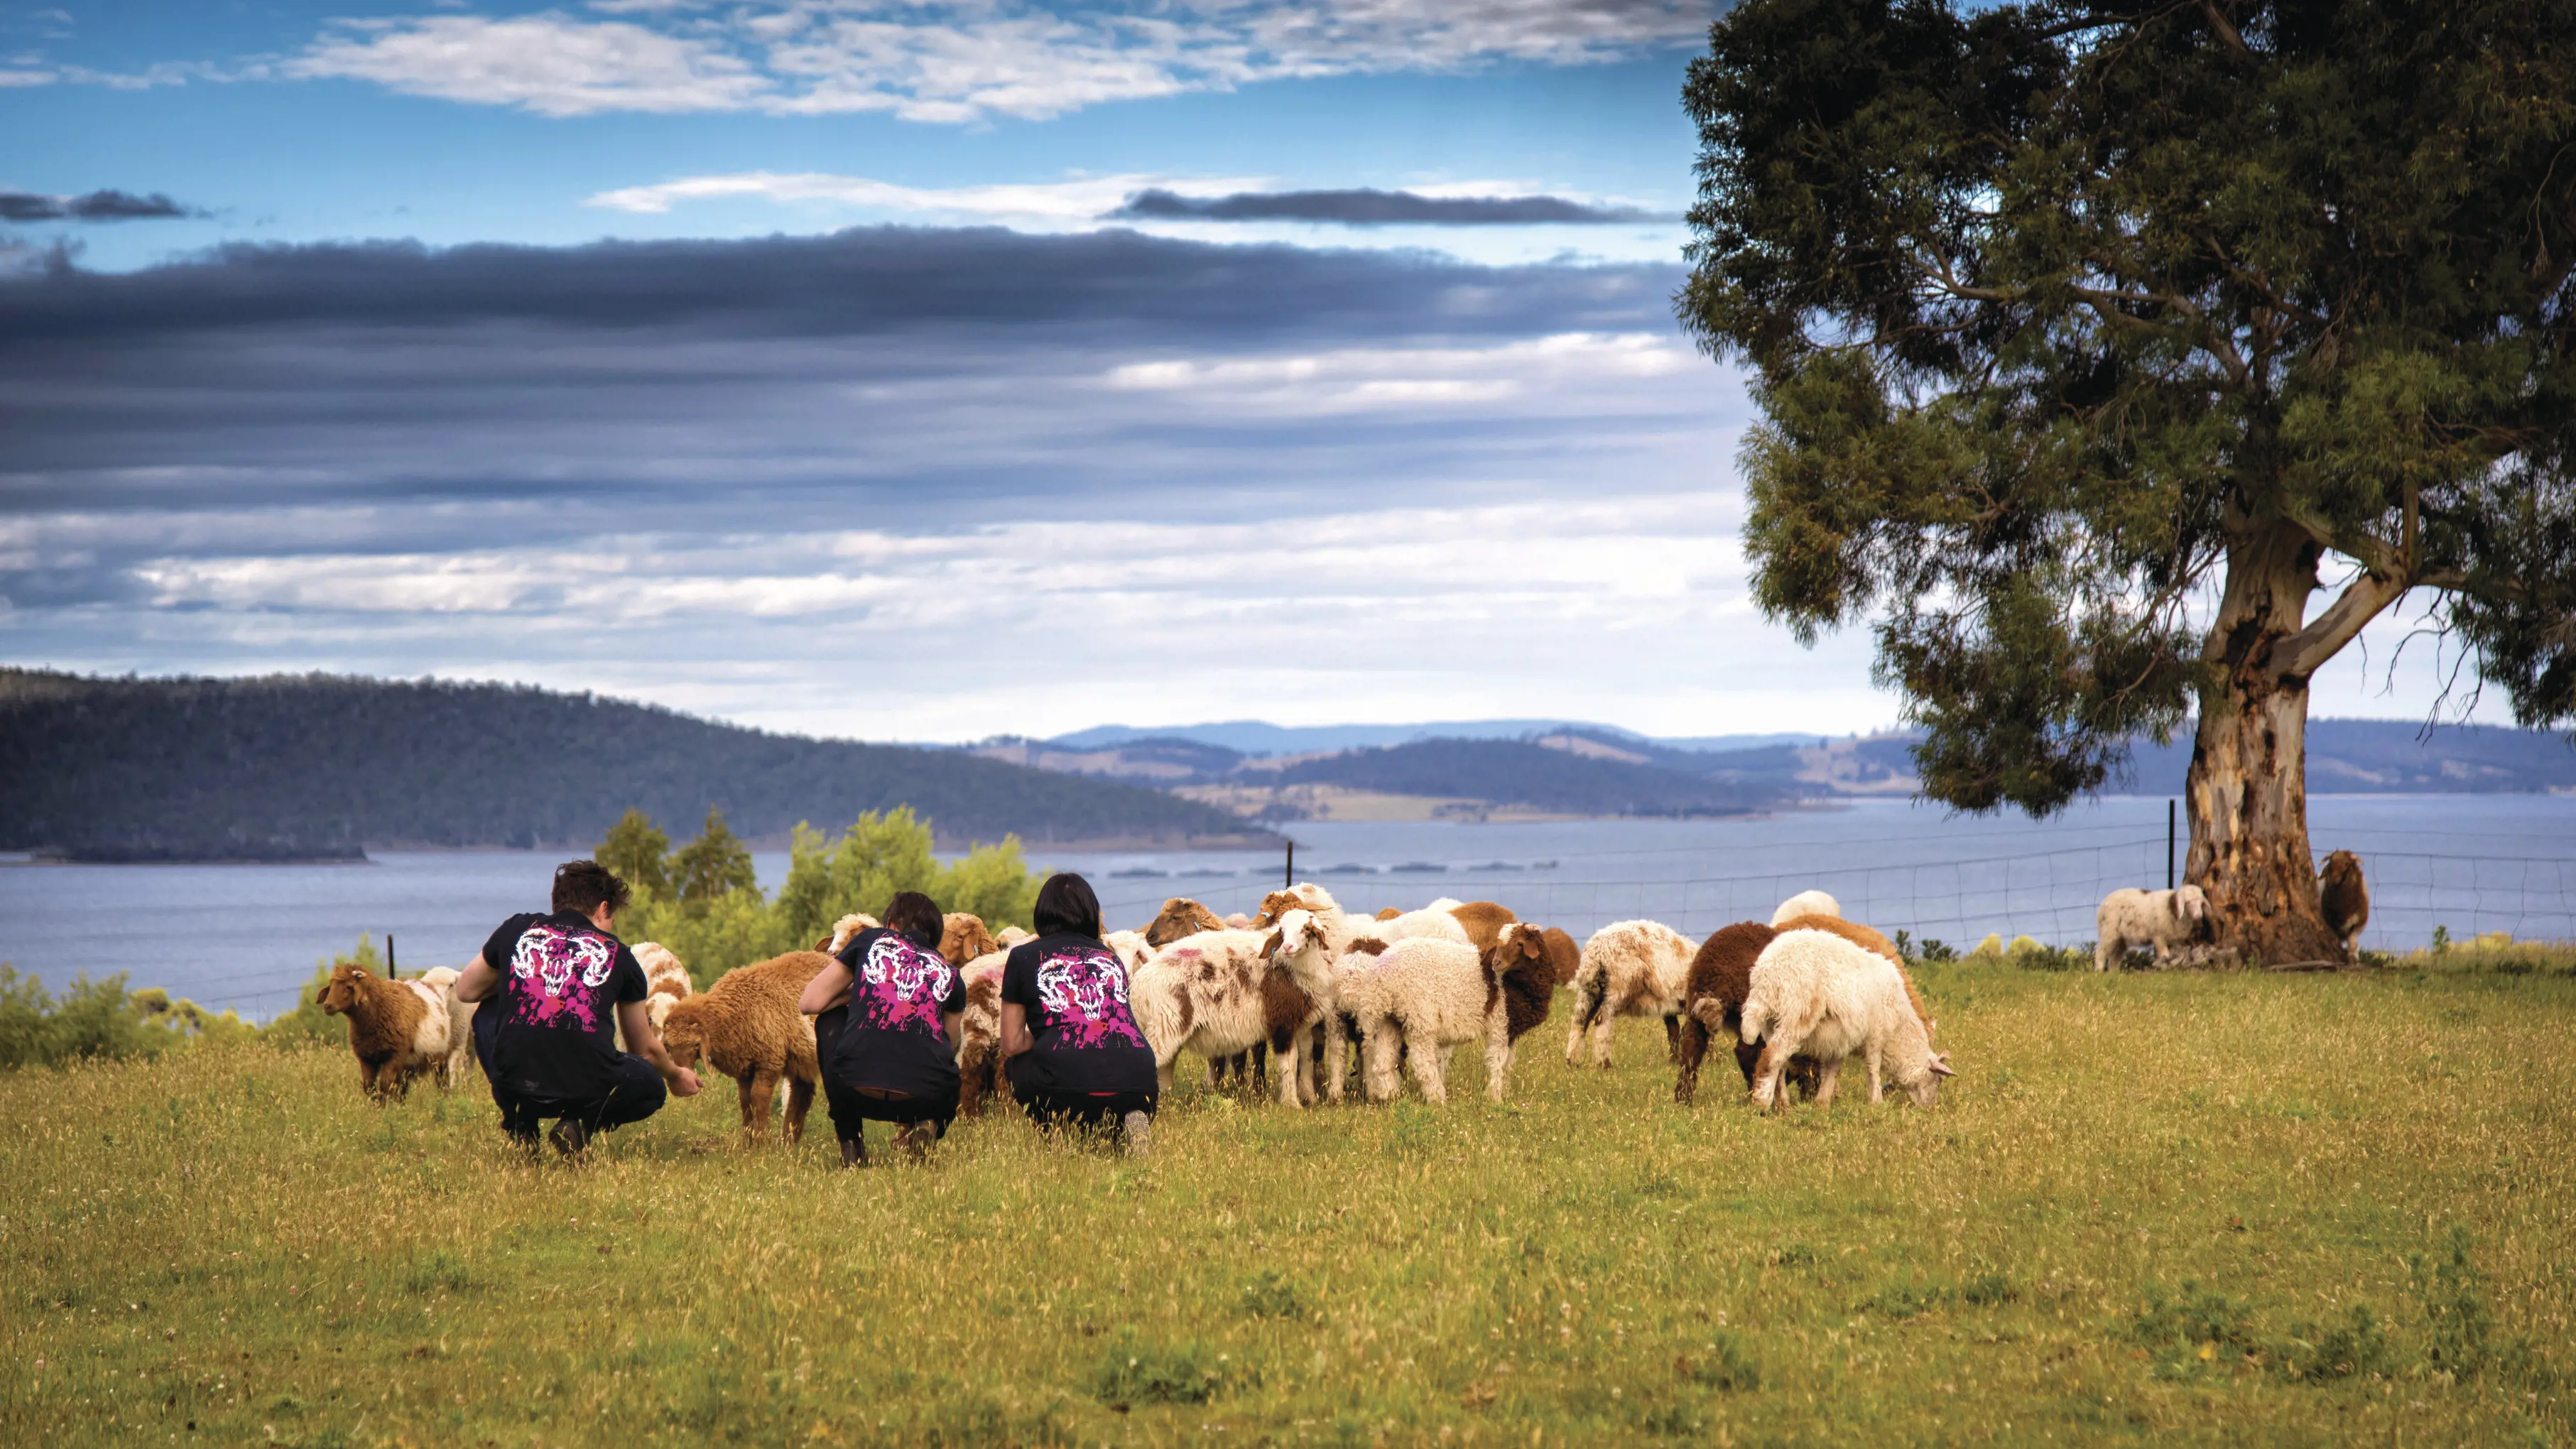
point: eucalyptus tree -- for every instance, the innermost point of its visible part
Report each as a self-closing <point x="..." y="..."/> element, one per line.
<point x="2121" y="362"/>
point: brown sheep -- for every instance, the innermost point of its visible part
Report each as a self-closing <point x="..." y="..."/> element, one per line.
<point x="1524" y="966"/>
<point x="398" y="1030"/>
<point x="2345" y="897"/>
<point x="1180" y="917"/>
<point x="747" y="1027"/>
<point x="979" y="1035"/>
<point x="1484" y="921"/>
<point x="1868" y="940"/>
<point x="963" y="937"/>
<point x="1721" y="976"/>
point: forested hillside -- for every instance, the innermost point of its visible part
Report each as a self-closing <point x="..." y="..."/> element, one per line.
<point x="319" y="767"/>
<point x="1518" y="772"/>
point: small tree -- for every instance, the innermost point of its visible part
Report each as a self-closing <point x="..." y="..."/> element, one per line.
<point x="714" y="865"/>
<point x="638" y="851"/>
<point x="2084" y="334"/>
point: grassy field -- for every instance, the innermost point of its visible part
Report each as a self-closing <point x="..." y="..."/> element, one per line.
<point x="2220" y="1209"/>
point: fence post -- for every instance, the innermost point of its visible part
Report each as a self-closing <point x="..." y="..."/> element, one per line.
<point x="389" y="955"/>
<point x="1289" y="879"/>
<point x="2169" y="844"/>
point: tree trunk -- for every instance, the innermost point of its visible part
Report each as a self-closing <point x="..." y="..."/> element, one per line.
<point x="2247" y="790"/>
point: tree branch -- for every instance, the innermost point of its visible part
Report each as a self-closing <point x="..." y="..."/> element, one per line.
<point x="2304" y="653"/>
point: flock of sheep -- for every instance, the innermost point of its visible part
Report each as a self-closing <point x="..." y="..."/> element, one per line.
<point x="1305" y="984"/>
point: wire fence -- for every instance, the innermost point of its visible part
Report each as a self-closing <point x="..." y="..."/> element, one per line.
<point x="2043" y="882"/>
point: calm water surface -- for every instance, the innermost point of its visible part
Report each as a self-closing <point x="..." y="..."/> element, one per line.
<point x="246" y="936"/>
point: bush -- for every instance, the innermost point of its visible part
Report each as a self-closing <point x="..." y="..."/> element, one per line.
<point x="1132" y="1372"/>
<point x="94" y="1021"/>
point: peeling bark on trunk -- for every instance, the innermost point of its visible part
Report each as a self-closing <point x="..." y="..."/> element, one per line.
<point x="2247" y="791"/>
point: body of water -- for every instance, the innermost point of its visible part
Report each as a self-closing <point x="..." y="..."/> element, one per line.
<point x="246" y="937"/>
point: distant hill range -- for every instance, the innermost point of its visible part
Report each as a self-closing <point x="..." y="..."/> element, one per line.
<point x="318" y="767"/>
<point x="1507" y="769"/>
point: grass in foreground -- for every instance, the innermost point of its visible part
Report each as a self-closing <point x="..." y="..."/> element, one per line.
<point x="2217" y="1209"/>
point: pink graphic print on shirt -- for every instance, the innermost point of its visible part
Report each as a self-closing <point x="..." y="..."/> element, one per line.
<point x="1085" y="991"/>
<point x="560" y="973"/>
<point x="900" y="987"/>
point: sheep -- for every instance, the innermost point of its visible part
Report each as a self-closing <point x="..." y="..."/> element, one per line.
<point x="398" y="1030"/>
<point x="1872" y="942"/>
<point x="666" y="981"/>
<point x="1806" y="903"/>
<point x="1429" y="995"/>
<point x="1303" y="896"/>
<point x="1720" y="976"/>
<point x="2131" y="917"/>
<point x="460" y="1025"/>
<point x="1180" y="917"/>
<point x="844" y="930"/>
<point x="1130" y="947"/>
<point x="1014" y="937"/>
<point x="963" y="937"/>
<point x="747" y="1027"/>
<point x="1438" y="925"/>
<point x="1211" y="992"/>
<point x="1815" y="994"/>
<point x="979" y="1032"/>
<point x="1630" y="968"/>
<point x="2345" y="899"/>
<point x="1483" y="921"/>
<point x="1238" y="921"/>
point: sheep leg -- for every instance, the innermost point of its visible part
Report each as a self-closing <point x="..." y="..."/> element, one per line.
<point x="1672" y="1037"/>
<point x="1430" y="1067"/>
<point x="1337" y="1058"/>
<point x="1377" y="1059"/>
<point x="1260" y="1063"/>
<point x="1583" y="999"/>
<point x="1829" y="1075"/>
<point x="367" y="1080"/>
<point x="1877" y="1078"/>
<point x="1498" y="1056"/>
<point x="2106" y="950"/>
<point x="1605" y="1025"/>
<point x="1292" y="1070"/>
<point x="800" y="1099"/>
<point x="1688" y="1052"/>
<point x="1776" y="1053"/>
<point x="759" y="1089"/>
<point x="970" y="1085"/>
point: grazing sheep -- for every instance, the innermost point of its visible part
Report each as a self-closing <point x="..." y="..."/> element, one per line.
<point x="1429" y="995"/>
<point x="1180" y="917"/>
<point x="1210" y="992"/>
<point x="1483" y="921"/>
<point x="2132" y="917"/>
<point x="979" y="1033"/>
<point x="1721" y="974"/>
<point x="398" y="1030"/>
<point x="963" y="937"/>
<point x="747" y="1027"/>
<point x="1630" y="968"/>
<point x="1806" y="903"/>
<point x="1872" y="942"/>
<point x="1818" y="995"/>
<point x="2345" y="897"/>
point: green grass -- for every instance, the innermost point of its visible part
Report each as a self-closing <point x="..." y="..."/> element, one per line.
<point x="2170" y="1209"/>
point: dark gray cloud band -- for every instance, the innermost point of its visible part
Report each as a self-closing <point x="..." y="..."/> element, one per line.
<point x="1376" y="208"/>
<point x="91" y="206"/>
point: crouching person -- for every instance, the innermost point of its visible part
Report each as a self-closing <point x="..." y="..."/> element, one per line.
<point x="886" y="1013"/>
<point x="556" y="988"/>
<point x="1073" y="1051"/>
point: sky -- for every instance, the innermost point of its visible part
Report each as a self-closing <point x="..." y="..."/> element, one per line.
<point x="893" y="369"/>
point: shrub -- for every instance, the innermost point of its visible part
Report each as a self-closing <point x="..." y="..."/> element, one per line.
<point x="93" y="1021"/>
<point x="1133" y="1372"/>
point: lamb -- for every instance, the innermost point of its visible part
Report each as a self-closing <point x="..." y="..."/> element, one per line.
<point x="1872" y="942"/>
<point x="1630" y="968"/>
<point x="979" y="1033"/>
<point x="963" y="937"/>
<point x="2131" y="917"/>
<point x="1428" y="995"/>
<point x="1212" y="992"/>
<point x="398" y="1030"/>
<point x="1720" y="977"/>
<point x="1806" y="903"/>
<point x="1816" y="994"/>
<point x="747" y="1027"/>
<point x="2345" y="898"/>
<point x="1483" y="921"/>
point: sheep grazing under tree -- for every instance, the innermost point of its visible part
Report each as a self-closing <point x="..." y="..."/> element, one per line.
<point x="2132" y="917"/>
<point x="1806" y="903"/>
<point x="398" y="1030"/>
<point x="1630" y="968"/>
<point x="2345" y="899"/>
<point x="747" y="1027"/>
<point x="1815" y="994"/>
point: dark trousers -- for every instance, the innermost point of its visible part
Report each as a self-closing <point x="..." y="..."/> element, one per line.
<point x="851" y="1107"/>
<point x="636" y="1093"/>
<point x="1081" y="1109"/>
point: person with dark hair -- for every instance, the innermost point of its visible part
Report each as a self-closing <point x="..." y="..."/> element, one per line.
<point x="886" y="1013"/>
<point x="555" y="991"/>
<point x="1072" y="1048"/>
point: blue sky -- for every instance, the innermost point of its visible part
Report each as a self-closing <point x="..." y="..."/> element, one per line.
<point x="783" y="360"/>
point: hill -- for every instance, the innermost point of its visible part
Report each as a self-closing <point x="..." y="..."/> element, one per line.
<point x="321" y="767"/>
<point x="1533" y="776"/>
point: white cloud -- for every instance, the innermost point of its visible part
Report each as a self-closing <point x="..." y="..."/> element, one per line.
<point x="961" y="60"/>
<point x="1369" y="379"/>
<point x="1077" y="201"/>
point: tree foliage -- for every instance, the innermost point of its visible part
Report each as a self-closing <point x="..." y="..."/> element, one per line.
<point x="2077" y="327"/>
<point x="637" y="852"/>
<point x="711" y="867"/>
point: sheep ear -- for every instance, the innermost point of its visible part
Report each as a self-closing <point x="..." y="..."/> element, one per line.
<point x="1941" y="1065"/>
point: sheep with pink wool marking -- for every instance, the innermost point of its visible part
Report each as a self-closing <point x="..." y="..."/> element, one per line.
<point x="1817" y="995"/>
<point x="1630" y="968"/>
<point x="1210" y="993"/>
<point x="2160" y="919"/>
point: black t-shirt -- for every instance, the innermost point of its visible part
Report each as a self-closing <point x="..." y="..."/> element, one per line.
<point x="892" y="1039"/>
<point x="562" y="980"/>
<point x="1085" y="1038"/>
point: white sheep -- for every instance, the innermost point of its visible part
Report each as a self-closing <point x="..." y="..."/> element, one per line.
<point x="1129" y="947"/>
<point x="1817" y="995"/>
<point x="1205" y="993"/>
<point x="460" y="1025"/>
<point x="2132" y="917"/>
<point x="1630" y="968"/>
<point x="1805" y="903"/>
<point x="1427" y="995"/>
<point x="666" y="981"/>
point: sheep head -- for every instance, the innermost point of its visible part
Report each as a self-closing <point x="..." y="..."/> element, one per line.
<point x="340" y="993"/>
<point x="844" y="929"/>
<point x="2191" y="903"/>
<point x="683" y="1030"/>
<point x="964" y="937"/>
<point x="1520" y="964"/>
<point x="1180" y="917"/>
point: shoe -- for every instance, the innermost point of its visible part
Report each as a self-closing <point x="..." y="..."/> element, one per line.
<point x="569" y="1137"/>
<point x="1139" y="1130"/>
